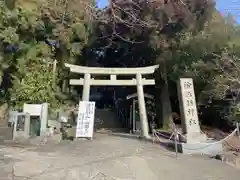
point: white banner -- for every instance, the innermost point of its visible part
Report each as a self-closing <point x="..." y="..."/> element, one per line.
<point x="85" y="120"/>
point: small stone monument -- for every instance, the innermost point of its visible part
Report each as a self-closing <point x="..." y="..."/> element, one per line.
<point x="21" y="127"/>
<point x="40" y="110"/>
<point x="189" y="115"/>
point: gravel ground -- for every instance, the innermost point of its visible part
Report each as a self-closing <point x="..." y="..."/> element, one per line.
<point x="107" y="158"/>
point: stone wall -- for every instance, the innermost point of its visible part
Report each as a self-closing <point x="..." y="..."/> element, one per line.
<point x="5" y="131"/>
<point x="4" y="115"/>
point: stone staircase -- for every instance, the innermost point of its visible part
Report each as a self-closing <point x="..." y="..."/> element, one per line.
<point x="106" y="120"/>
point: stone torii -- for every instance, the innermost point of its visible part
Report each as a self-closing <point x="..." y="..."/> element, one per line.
<point x="138" y="81"/>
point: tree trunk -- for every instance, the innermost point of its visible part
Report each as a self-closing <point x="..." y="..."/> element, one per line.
<point x="163" y="105"/>
<point x="166" y="111"/>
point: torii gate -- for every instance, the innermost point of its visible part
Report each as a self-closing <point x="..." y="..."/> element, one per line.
<point x="139" y="81"/>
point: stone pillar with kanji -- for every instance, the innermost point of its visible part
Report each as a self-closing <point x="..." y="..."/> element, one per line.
<point x="188" y="108"/>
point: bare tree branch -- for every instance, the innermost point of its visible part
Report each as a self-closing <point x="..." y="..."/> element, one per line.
<point x="127" y="15"/>
<point x="133" y="14"/>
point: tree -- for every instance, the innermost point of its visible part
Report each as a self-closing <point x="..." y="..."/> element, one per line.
<point x="70" y="27"/>
<point x="139" y="33"/>
<point x="211" y="58"/>
<point x="33" y="81"/>
<point x="33" y="36"/>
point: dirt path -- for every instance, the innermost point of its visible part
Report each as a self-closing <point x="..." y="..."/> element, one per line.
<point x="109" y="158"/>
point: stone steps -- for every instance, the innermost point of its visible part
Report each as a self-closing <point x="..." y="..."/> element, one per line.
<point x="106" y="119"/>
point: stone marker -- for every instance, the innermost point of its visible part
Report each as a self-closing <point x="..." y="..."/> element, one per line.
<point x="188" y="108"/>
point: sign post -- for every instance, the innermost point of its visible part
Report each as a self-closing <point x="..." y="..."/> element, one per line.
<point x="85" y="120"/>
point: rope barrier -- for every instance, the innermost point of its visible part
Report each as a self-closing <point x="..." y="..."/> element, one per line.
<point x="155" y="135"/>
<point x="224" y="139"/>
<point x="163" y="135"/>
<point x="213" y="143"/>
<point x="176" y="133"/>
<point x="232" y="146"/>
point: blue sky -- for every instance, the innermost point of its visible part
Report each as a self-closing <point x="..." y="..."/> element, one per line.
<point x="225" y="6"/>
<point x="102" y="3"/>
<point x="229" y="6"/>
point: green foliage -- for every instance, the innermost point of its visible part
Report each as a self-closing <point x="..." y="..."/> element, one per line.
<point x="33" y="81"/>
<point x="235" y="113"/>
<point x="32" y="37"/>
<point x="205" y="55"/>
<point x="211" y="58"/>
<point x="35" y="87"/>
<point x="201" y="44"/>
